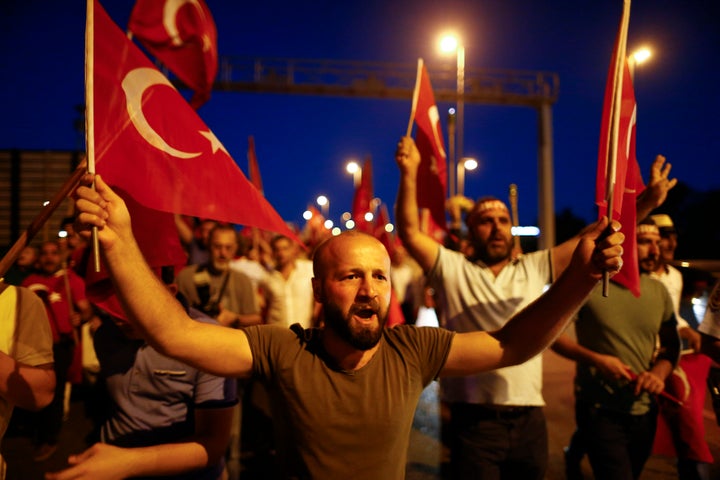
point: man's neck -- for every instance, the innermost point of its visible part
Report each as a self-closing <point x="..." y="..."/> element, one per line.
<point x="495" y="267"/>
<point x="286" y="269"/>
<point x="346" y="356"/>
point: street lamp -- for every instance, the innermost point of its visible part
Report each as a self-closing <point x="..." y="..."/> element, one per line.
<point x="641" y="55"/>
<point x="324" y="203"/>
<point x="451" y="43"/>
<point x="355" y="170"/>
<point x="467" y="163"/>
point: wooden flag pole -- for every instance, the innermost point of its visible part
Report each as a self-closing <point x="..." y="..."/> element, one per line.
<point x="90" y="114"/>
<point x="619" y="64"/>
<point x="513" y="194"/>
<point x="416" y="93"/>
<point x="37" y="224"/>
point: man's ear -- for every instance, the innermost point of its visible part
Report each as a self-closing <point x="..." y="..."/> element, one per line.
<point x="317" y="290"/>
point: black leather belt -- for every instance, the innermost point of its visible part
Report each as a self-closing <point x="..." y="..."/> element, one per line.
<point x="474" y="411"/>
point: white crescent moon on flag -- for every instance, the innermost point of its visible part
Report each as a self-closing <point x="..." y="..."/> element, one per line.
<point x="134" y="85"/>
<point x="170" y="18"/>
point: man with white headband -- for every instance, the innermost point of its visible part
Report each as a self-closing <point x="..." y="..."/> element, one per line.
<point x="498" y="427"/>
<point x="618" y="374"/>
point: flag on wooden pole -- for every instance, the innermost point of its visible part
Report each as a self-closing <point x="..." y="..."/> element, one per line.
<point x="618" y="174"/>
<point x="432" y="172"/>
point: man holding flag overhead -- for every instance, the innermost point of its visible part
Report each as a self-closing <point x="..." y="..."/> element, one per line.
<point x="498" y="411"/>
<point x="432" y="171"/>
<point x="480" y="293"/>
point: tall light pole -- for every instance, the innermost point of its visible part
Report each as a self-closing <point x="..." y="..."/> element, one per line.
<point x="451" y="43"/>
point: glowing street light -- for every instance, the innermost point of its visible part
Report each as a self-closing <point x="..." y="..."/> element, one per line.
<point x="466" y="164"/>
<point x="639" y="56"/>
<point x="448" y="44"/>
<point x="354" y="168"/>
<point x="324" y="203"/>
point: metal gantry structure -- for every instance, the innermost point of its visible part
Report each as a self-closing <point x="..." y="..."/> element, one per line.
<point x="342" y="78"/>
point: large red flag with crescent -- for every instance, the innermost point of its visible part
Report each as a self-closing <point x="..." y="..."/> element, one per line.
<point x="618" y="179"/>
<point x="362" y="199"/>
<point x="182" y="35"/>
<point x="151" y="143"/>
<point x="432" y="173"/>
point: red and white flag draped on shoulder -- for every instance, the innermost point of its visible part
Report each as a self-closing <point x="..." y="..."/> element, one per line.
<point x="432" y="173"/>
<point x="182" y="35"/>
<point x="151" y="143"/>
<point x="618" y="174"/>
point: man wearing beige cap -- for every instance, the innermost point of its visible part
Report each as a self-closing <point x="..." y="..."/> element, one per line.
<point x="619" y="370"/>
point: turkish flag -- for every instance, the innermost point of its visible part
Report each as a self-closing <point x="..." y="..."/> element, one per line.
<point x="182" y="35"/>
<point x="150" y="143"/>
<point x="363" y="198"/>
<point x="253" y="166"/>
<point x="618" y="174"/>
<point x="432" y="173"/>
<point x="681" y="428"/>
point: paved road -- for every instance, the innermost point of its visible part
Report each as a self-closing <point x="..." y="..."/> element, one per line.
<point x="425" y="455"/>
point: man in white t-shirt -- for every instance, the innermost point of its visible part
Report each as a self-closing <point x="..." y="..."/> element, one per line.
<point x="293" y="274"/>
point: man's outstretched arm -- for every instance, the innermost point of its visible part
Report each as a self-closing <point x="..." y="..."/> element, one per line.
<point x="535" y="327"/>
<point x="146" y="301"/>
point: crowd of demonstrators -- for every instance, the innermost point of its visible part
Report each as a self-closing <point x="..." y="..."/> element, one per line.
<point x="619" y="368"/>
<point x="27" y="377"/>
<point x="320" y="379"/>
<point x="311" y="334"/>
<point x="62" y="292"/>
<point x="164" y="418"/>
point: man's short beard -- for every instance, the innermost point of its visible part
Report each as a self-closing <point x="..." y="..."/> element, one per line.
<point x="361" y="337"/>
<point x="483" y="253"/>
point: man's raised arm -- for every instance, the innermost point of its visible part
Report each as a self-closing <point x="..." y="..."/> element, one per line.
<point x="422" y="248"/>
<point x="146" y="301"/>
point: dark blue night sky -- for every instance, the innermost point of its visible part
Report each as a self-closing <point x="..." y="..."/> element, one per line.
<point x="303" y="143"/>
